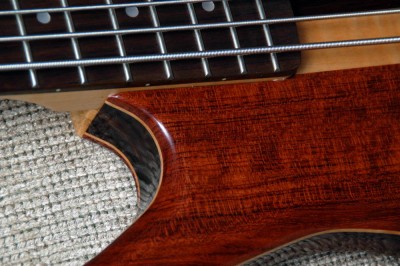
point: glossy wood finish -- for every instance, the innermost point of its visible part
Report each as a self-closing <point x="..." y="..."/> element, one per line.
<point x="131" y="140"/>
<point x="312" y="61"/>
<point x="143" y="74"/>
<point x="248" y="168"/>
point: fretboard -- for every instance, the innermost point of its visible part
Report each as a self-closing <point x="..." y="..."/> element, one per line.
<point x="84" y="32"/>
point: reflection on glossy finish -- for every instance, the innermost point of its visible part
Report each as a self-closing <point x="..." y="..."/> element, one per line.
<point x="129" y="137"/>
<point x="256" y="166"/>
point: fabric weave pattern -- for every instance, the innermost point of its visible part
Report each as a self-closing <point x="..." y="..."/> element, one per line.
<point x="64" y="199"/>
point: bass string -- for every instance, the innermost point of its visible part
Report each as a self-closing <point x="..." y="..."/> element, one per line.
<point x="98" y="7"/>
<point x="203" y="26"/>
<point x="197" y="55"/>
<point x="179" y="56"/>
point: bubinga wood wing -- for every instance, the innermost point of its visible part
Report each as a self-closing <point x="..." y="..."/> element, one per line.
<point x="248" y="168"/>
<point x="312" y="61"/>
<point x="241" y="169"/>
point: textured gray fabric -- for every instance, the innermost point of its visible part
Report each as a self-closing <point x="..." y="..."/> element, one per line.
<point x="63" y="199"/>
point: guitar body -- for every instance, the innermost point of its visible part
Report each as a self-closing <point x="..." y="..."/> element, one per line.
<point x="224" y="172"/>
<point x="239" y="170"/>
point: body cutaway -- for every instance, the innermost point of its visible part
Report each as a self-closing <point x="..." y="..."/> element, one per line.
<point x="247" y="168"/>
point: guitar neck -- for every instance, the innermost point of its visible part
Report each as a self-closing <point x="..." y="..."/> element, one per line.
<point x="64" y="46"/>
<point x="148" y="40"/>
<point x="312" y="61"/>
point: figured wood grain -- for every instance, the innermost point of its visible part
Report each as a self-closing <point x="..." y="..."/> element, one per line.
<point x="251" y="167"/>
<point x="312" y="61"/>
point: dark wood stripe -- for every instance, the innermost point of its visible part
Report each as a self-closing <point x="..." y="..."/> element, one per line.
<point x="256" y="166"/>
<point x="136" y="143"/>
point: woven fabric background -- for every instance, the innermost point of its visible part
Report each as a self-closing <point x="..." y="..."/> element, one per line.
<point x="63" y="199"/>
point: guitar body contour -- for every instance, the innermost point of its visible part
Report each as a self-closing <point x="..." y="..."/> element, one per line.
<point x="239" y="170"/>
<point x="224" y="172"/>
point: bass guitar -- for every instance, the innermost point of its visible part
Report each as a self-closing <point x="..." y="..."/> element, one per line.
<point x="247" y="125"/>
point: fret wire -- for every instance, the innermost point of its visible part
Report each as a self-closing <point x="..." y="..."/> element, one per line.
<point x="235" y="38"/>
<point x="199" y="39"/>
<point x="74" y="42"/>
<point x="25" y="44"/>
<point x="198" y="55"/>
<point x="98" y="7"/>
<point x="161" y="41"/>
<point x="268" y="36"/>
<point x="120" y="41"/>
<point x="193" y="27"/>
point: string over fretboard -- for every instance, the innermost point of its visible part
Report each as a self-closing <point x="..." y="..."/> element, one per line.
<point x="69" y="44"/>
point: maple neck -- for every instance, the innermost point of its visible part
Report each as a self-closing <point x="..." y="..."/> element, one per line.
<point x="69" y="45"/>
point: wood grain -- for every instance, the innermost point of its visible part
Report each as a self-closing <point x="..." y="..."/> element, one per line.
<point x="312" y="61"/>
<point x="248" y="168"/>
<point x="133" y="141"/>
<point x="150" y="73"/>
<point x="345" y="29"/>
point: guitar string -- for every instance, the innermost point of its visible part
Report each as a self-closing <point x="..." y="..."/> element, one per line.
<point x="197" y="54"/>
<point x="204" y="26"/>
<point x="74" y="42"/>
<point x="119" y="40"/>
<point x="199" y="39"/>
<point x="26" y="47"/>
<point x="234" y="36"/>
<point x="267" y="35"/>
<point x="161" y="41"/>
<point x="98" y="7"/>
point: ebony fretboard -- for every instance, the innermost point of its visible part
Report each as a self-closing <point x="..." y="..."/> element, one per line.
<point x="140" y="74"/>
